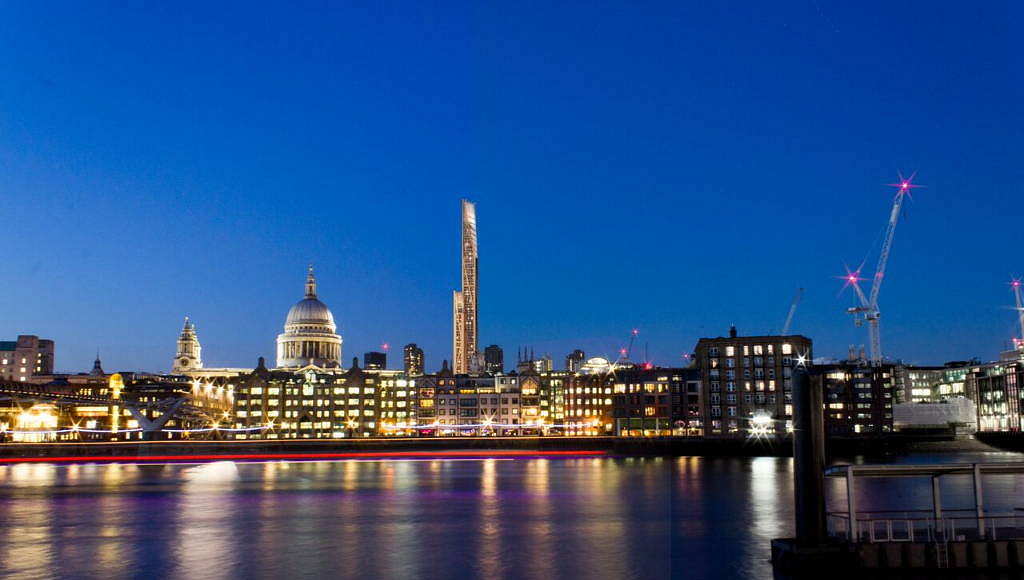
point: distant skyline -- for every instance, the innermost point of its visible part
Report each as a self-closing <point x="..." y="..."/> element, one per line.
<point x="675" y="169"/>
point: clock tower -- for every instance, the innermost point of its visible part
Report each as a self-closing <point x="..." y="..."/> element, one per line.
<point x="188" y="356"/>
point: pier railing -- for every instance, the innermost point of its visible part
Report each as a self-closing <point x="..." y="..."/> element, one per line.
<point x="955" y="525"/>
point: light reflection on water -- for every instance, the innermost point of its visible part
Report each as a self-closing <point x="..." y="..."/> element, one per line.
<point x="681" y="517"/>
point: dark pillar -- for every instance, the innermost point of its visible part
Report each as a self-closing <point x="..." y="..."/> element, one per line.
<point x="808" y="459"/>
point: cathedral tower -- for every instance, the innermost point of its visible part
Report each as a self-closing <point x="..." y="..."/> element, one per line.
<point x="188" y="356"/>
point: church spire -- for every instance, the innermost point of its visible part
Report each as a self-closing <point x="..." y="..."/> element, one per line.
<point x="310" y="283"/>
<point x="97" y="366"/>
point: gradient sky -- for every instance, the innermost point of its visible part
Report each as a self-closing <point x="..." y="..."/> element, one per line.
<point x="672" y="168"/>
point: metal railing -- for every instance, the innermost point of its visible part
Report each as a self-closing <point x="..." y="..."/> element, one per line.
<point x="922" y="526"/>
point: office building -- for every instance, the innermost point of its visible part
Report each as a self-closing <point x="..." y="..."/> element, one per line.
<point x="653" y="402"/>
<point x="464" y="312"/>
<point x="996" y="389"/>
<point x="574" y="361"/>
<point x="858" y="397"/>
<point x="26" y="356"/>
<point x="413" y="360"/>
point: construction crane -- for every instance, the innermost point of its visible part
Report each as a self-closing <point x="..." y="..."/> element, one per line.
<point x="792" y="311"/>
<point x="1015" y="285"/>
<point x="627" y="351"/>
<point x="868" y="311"/>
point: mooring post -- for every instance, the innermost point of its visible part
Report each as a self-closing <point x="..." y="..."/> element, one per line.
<point x="808" y="460"/>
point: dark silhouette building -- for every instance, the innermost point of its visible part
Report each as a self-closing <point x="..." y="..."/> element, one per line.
<point x="574" y="361"/>
<point x="375" y="360"/>
<point x="494" y="359"/>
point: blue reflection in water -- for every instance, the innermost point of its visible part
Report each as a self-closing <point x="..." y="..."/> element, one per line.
<point x="682" y="517"/>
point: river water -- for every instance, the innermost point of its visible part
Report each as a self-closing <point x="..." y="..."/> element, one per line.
<point x="685" y="517"/>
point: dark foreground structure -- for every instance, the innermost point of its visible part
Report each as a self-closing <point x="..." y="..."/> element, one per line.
<point x="838" y="542"/>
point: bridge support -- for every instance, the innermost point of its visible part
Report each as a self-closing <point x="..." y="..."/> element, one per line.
<point x="152" y="426"/>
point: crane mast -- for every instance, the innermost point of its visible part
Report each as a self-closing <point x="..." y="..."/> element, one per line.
<point x="792" y="311"/>
<point x="868" y="309"/>
<point x="1016" y="285"/>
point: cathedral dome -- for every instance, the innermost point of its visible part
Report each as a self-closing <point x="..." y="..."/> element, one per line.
<point x="309" y="336"/>
<point x="310" y="311"/>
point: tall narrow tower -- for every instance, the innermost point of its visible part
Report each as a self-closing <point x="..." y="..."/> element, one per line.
<point x="188" y="356"/>
<point x="464" y="311"/>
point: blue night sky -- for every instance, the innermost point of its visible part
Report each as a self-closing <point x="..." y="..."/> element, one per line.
<point x="674" y="168"/>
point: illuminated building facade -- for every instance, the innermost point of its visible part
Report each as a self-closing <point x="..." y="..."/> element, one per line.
<point x="308" y="404"/>
<point x="652" y="402"/>
<point x="930" y="384"/>
<point x="551" y="396"/>
<point x="26" y="356"/>
<point x="588" y="404"/>
<point x="309" y="337"/>
<point x="530" y="387"/>
<point x="464" y="302"/>
<point x="396" y="403"/>
<point x="426" y="388"/>
<point x="413" y="360"/>
<point x="915" y="383"/>
<point x="743" y="377"/>
<point x="478" y="405"/>
<point x="999" y="396"/>
<point x="858" y="398"/>
<point x="953" y="383"/>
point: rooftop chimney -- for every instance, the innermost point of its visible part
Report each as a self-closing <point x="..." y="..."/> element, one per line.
<point x="732" y="331"/>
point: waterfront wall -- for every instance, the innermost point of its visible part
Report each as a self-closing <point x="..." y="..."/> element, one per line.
<point x="672" y="446"/>
<point x="1005" y="440"/>
<point x="664" y="446"/>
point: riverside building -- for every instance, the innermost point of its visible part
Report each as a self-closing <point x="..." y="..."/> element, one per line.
<point x="478" y="405"/>
<point x="308" y="403"/>
<point x="858" y="398"/>
<point x="746" y="382"/>
<point x="997" y="390"/>
<point x="651" y="402"/>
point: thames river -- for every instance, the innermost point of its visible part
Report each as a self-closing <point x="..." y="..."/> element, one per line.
<point x="545" y="518"/>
